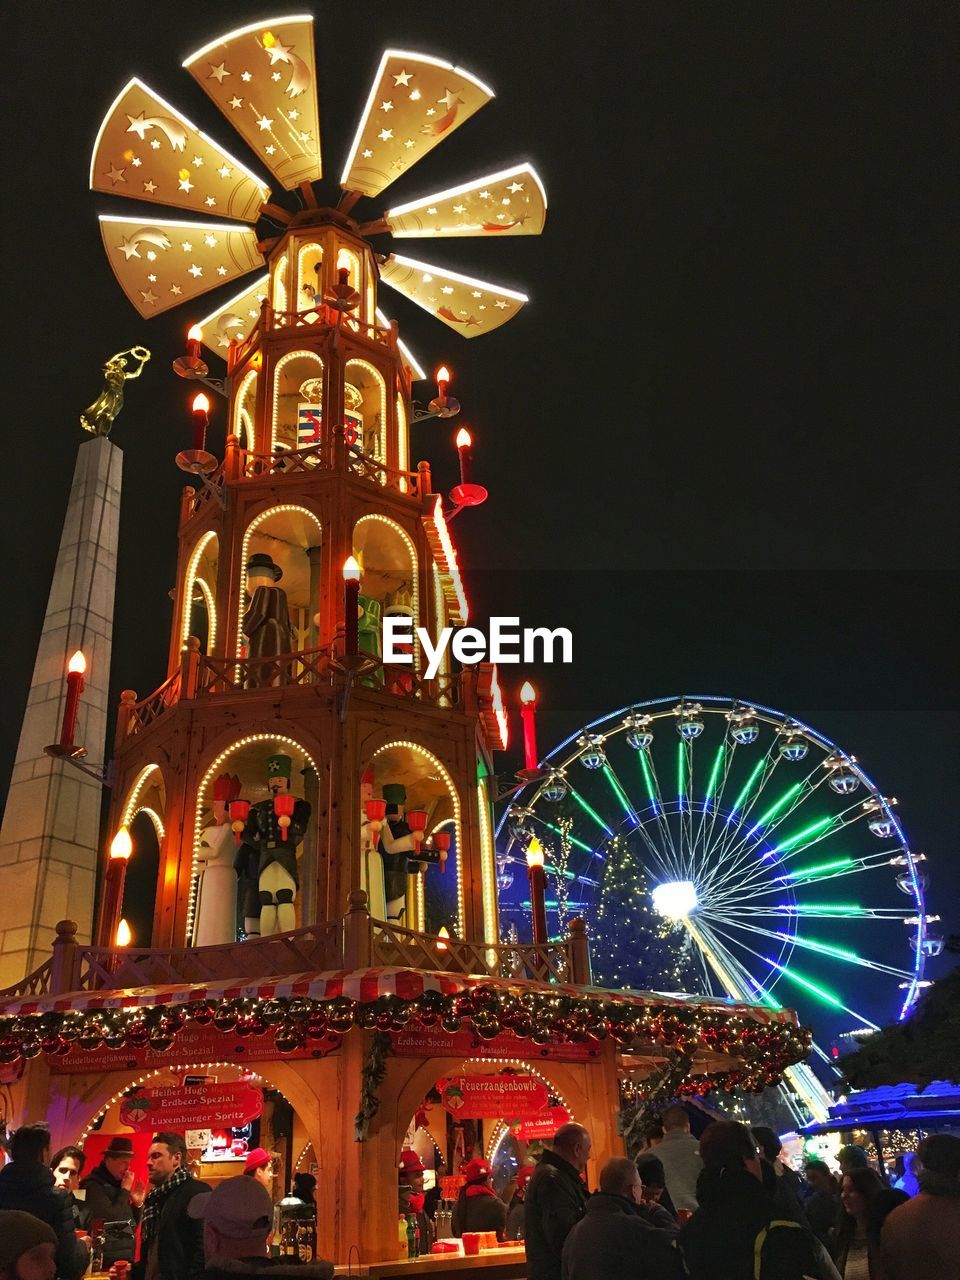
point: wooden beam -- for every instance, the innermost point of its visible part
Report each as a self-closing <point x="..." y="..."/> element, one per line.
<point x="277" y="212"/>
<point x="348" y="200"/>
<point x="309" y="196"/>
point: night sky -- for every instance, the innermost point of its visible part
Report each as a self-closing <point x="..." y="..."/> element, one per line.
<point x="719" y="441"/>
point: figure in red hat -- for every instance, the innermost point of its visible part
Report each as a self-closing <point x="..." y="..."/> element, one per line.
<point x="478" y="1206"/>
<point x="412" y="1197"/>
<point x="216" y="912"/>
<point x="259" y="1165"/>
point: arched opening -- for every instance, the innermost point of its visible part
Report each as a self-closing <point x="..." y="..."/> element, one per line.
<point x="288" y="537"/>
<point x="297" y="402"/>
<point x="389" y="585"/>
<point x="143" y="816"/>
<point x="416" y="782"/>
<point x="244" y="409"/>
<point x="224" y="894"/>
<point x="309" y="277"/>
<point x="368" y="409"/>
<point x="279" y="292"/>
<point x="199" y="606"/>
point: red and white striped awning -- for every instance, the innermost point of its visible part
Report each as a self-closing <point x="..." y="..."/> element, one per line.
<point x="365" y="985"/>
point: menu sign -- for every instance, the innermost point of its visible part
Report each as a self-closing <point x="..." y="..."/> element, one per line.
<point x="194" y="1044"/>
<point x="491" y="1097"/>
<point x="179" y="1107"/>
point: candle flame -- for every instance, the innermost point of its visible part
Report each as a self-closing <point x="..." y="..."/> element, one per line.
<point x="351" y="570"/>
<point x="124" y="935"/>
<point x="343" y="261"/>
<point x="528" y="693"/>
<point x="77" y="663"/>
<point x="464" y="438"/>
<point x="444" y="934"/>
<point x="443" y="374"/>
<point x="201" y="403"/>
<point x="195" y="333"/>
<point x="121" y="846"/>
<point x="534" y="853"/>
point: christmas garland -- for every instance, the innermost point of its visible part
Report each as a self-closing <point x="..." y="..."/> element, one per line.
<point x="371" y="1078"/>
<point x="766" y="1049"/>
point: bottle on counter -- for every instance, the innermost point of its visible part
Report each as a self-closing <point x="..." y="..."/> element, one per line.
<point x="307" y="1240"/>
<point x="98" y="1241"/>
<point x="402" y="1237"/>
<point x="412" y="1236"/>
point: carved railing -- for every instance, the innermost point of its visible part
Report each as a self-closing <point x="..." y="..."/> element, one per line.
<point x="311" y="950"/>
<point x="229" y="675"/>
<point x="285" y="461"/>
<point x="394" y="946"/>
<point x="36" y="983"/>
<point x="361" y="464"/>
<point x="148" y="709"/>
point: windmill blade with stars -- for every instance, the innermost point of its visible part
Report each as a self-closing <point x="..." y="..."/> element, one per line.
<point x="262" y="78"/>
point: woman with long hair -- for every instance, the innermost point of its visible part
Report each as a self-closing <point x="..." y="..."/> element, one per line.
<point x="852" y="1247"/>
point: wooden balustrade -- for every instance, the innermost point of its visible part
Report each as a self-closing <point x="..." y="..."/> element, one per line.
<point x="394" y="946"/>
<point x="142" y="713"/>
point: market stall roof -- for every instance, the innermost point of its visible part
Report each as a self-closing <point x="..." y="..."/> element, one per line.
<point x="897" y="1106"/>
<point x="366" y="985"/>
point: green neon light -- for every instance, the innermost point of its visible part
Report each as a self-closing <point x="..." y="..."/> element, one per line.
<point x="619" y="792"/>
<point x="826" y="996"/>
<point x="592" y="812"/>
<point x="802" y="835"/>
<point x="780" y="804"/>
<point x="821" y="868"/>
<point x="681" y="768"/>
<point x="846" y="908"/>
<point x="824" y="947"/>
<point x="648" y="778"/>
<point x="715" y="771"/>
<point x="748" y="787"/>
<point x="581" y="844"/>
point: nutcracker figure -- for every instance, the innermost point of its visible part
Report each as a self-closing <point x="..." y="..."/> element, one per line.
<point x="266" y="622"/>
<point x="275" y="828"/>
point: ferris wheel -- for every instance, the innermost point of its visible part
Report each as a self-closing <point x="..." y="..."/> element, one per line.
<point x="770" y="859"/>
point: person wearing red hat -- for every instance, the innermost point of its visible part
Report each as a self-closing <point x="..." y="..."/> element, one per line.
<point x="478" y="1206"/>
<point x="515" y="1210"/>
<point x="259" y="1165"/>
<point x="412" y="1198"/>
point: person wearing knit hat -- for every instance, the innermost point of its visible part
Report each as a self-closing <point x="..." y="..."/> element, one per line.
<point x="28" y="1247"/>
<point x="921" y="1239"/>
<point x="259" y="1165"/>
<point x="478" y="1206"/>
<point x="410" y="1174"/>
<point x="515" y="1210"/>
<point x="237" y="1216"/>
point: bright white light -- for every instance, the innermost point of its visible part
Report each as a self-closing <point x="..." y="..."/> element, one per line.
<point x="675" y="899"/>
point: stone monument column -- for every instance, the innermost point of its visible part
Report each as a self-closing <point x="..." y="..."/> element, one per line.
<point x="49" y="840"/>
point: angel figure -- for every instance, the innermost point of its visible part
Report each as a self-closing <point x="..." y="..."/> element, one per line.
<point x="98" y="418"/>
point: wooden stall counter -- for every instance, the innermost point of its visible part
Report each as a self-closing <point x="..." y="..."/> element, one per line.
<point x="506" y="1263"/>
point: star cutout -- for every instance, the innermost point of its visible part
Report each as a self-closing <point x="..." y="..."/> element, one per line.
<point x="264" y="123"/>
<point x="185" y="184"/>
<point x="155" y="144"/>
<point x="501" y="217"/>
<point x="197" y="161"/>
<point x="115" y="175"/>
<point x="432" y="299"/>
<point x="136" y="162"/>
<point x="403" y="78"/>
<point x="151" y="255"/>
<point x="476" y="294"/>
<point x="219" y="72"/>
<point x="210" y="202"/>
<point x="152" y="278"/>
<point x="449" y="98"/>
<point x="149" y="297"/>
<point x="276" y="76"/>
<point x="236" y="102"/>
<point x="386" y="106"/>
<point x="484" y="195"/>
<point x="385" y="135"/>
<point x="195" y="271"/>
<point x="459" y="208"/>
<point x="366" y="154"/>
<point x="292" y="115"/>
<point x="221" y="271"/>
<point x="246" y="77"/>
<point x="408" y="143"/>
<point x="432" y="210"/>
<point x="304" y="137"/>
<point x="446" y="289"/>
<point x="500" y="304"/>
<point x="224" y="341"/>
<point x="175" y="288"/>
<point x="483" y="306"/>
<point x="225" y="171"/>
<point x="186" y="246"/>
<point x="210" y="241"/>
<point x="128" y="245"/>
<point x="505" y="200"/>
<point x="138" y="125"/>
<point x="415" y="96"/>
<point x="515" y="187"/>
<point x="270" y="150"/>
<point x="279" y="52"/>
<point x="150" y="187"/>
<point x="427" y="279"/>
<point x="431" y="111"/>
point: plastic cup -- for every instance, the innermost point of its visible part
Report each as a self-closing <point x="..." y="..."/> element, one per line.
<point x="471" y="1243"/>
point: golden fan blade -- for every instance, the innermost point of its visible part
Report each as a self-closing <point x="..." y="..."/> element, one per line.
<point x="147" y="150"/>
<point x="415" y="102"/>
<point x="471" y="307"/>
<point x="263" y="78"/>
<point x="510" y="203"/>
<point x="161" y="263"/>
<point x="416" y="368"/>
<point x="234" y="319"/>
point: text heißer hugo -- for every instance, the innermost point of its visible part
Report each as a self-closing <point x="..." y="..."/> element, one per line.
<point x="506" y="643"/>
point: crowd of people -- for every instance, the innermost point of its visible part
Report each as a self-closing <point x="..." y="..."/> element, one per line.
<point x="177" y="1228"/>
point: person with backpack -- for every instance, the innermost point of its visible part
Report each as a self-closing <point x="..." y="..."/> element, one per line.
<point x="735" y="1233"/>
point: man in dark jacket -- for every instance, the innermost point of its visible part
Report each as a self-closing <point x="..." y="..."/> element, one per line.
<point x="736" y="1225"/>
<point x="171" y="1242"/>
<point x="111" y="1194"/>
<point x="27" y="1184"/>
<point x="612" y="1241"/>
<point x="556" y="1199"/>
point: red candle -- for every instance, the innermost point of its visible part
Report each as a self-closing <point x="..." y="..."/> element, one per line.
<point x="443" y="381"/>
<point x="376" y="812"/>
<point x="283" y="803"/>
<point x="465" y="450"/>
<point x="239" y="810"/>
<point x="442" y="841"/>
<point x="528" y="714"/>
<point x="351" y="606"/>
<point x="194" y="338"/>
<point x="75" y="671"/>
<point x="538" y="885"/>
<point x="201" y="411"/>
